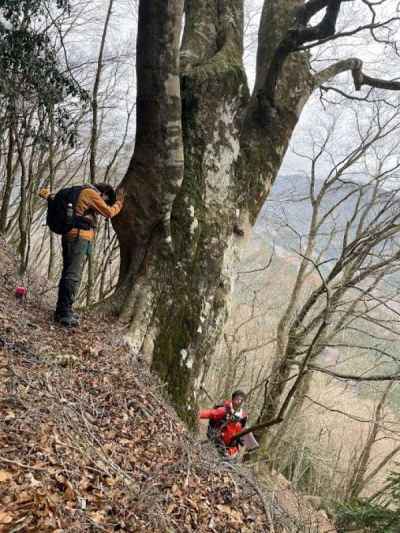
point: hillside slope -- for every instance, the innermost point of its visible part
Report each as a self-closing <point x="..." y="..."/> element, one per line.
<point x="88" y="443"/>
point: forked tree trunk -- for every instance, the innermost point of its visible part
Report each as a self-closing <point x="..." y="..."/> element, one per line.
<point x="186" y="217"/>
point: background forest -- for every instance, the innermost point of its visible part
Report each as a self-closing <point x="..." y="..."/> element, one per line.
<point x="315" y="297"/>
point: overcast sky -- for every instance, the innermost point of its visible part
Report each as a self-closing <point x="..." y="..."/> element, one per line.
<point x="379" y="59"/>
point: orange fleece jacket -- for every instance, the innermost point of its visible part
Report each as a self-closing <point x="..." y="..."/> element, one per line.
<point x="91" y="199"/>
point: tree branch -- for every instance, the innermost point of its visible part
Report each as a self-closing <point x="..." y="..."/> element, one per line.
<point x="348" y="415"/>
<point x="349" y="33"/>
<point x="351" y="377"/>
<point x="307" y="11"/>
<point x="355" y="65"/>
<point x="297" y="36"/>
<point x="323" y="29"/>
<point x="304" y="366"/>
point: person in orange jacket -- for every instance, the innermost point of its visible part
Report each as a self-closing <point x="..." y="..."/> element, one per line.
<point x="93" y="200"/>
<point x="226" y="421"/>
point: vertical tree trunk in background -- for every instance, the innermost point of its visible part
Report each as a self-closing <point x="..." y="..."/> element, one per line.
<point x="361" y="465"/>
<point x="179" y="240"/>
<point x="95" y="136"/>
<point x="9" y="182"/>
<point x="22" y="225"/>
<point x="95" y="96"/>
<point x="52" y="254"/>
<point x="277" y="442"/>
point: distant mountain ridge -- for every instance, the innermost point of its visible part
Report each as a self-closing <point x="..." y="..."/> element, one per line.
<point x="285" y="218"/>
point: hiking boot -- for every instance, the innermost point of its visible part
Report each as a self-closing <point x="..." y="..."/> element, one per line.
<point x="68" y="321"/>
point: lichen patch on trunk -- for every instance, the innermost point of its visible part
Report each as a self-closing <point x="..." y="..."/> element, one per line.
<point x="220" y="155"/>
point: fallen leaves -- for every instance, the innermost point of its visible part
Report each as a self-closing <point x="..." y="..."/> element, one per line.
<point x="5" y="476"/>
<point x="88" y="442"/>
<point x="97" y="447"/>
<point x="5" y="518"/>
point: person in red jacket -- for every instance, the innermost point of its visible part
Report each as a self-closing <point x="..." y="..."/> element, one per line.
<point x="226" y="421"/>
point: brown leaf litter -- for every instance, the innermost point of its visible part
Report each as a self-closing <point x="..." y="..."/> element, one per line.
<point x="87" y="441"/>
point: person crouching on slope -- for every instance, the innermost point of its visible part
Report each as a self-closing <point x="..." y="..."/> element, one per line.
<point x="226" y="421"/>
<point x="99" y="198"/>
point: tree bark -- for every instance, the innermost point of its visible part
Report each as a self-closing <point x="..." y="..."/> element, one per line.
<point x="22" y="222"/>
<point x="9" y="182"/>
<point x="180" y="237"/>
<point x="52" y="255"/>
<point x="94" y="137"/>
<point x="356" y="481"/>
<point x="155" y="172"/>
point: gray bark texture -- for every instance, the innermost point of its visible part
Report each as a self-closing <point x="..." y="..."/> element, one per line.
<point x="206" y="155"/>
<point x="193" y="191"/>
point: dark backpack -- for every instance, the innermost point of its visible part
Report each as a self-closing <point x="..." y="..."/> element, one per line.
<point x="58" y="218"/>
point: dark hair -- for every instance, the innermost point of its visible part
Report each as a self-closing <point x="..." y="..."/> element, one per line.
<point x="105" y="188"/>
<point x="238" y="393"/>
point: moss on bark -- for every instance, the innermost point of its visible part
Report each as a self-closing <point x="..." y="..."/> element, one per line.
<point x="232" y="155"/>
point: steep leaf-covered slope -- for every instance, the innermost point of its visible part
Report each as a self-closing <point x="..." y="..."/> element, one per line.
<point x="88" y="443"/>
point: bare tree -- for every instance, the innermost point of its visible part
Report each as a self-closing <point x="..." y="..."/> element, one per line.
<point x="361" y="474"/>
<point x="343" y="298"/>
<point x="46" y="153"/>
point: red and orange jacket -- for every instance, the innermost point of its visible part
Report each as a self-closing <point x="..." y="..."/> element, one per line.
<point x="229" y="422"/>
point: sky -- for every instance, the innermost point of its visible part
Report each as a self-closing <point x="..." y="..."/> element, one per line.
<point x="316" y="119"/>
<point x="379" y="60"/>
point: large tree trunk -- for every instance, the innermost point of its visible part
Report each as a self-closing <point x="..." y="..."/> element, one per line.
<point x="154" y="177"/>
<point x="179" y="237"/>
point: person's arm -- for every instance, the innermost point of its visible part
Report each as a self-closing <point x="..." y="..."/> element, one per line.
<point x="213" y="414"/>
<point x="95" y="201"/>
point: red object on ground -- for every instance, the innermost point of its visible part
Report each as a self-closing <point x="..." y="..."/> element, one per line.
<point x="20" y="293"/>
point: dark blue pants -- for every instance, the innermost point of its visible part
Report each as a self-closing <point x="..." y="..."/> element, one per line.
<point x="75" y="252"/>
